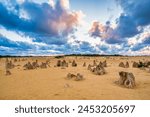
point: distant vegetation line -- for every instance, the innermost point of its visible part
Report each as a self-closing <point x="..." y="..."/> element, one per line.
<point x="60" y="56"/>
<point x="91" y="55"/>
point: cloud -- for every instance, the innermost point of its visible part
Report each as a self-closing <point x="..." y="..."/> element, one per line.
<point x="105" y="32"/>
<point x="143" y="51"/>
<point x="42" y="18"/>
<point x="4" y="42"/>
<point x="144" y="41"/>
<point x="10" y="47"/>
<point x="138" y="10"/>
<point x="64" y="4"/>
<point x="126" y="27"/>
<point x="134" y="18"/>
<point x="86" y="47"/>
<point x="131" y="22"/>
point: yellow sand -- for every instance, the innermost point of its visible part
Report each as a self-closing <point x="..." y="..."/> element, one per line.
<point x="50" y="83"/>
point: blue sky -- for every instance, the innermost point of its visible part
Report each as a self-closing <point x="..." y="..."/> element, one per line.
<point x="52" y="27"/>
<point x="97" y="9"/>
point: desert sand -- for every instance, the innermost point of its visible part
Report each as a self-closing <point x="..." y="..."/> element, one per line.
<point x="51" y="83"/>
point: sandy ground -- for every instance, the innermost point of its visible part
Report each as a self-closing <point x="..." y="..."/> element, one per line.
<point x="51" y="83"/>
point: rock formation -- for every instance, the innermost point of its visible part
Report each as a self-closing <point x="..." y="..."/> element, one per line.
<point x="94" y="63"/>
<point x="28" y="66"/>
<point x="62" y="63"/>
<point x="8" y="72"/>
<point x="127" y="65"/>
<point x="121" y="65"/>
<point x="97" y="70"/>
<point x="84" y="64"/>
<point x="77" y="77"/>
<point x="9" y="64"/>
<point x="126" y="79"/>
<point x="135" y="65"/>
<point x="43" y="65"/>
<point x="35" y="64"/>
<point x="74" y="64"/>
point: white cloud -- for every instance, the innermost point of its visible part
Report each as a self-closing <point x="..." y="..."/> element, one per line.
<point x="19" y="37"/>
<point x="65" y="4"/>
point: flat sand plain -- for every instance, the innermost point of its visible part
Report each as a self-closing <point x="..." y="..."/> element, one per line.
<point x="51" y="83"/>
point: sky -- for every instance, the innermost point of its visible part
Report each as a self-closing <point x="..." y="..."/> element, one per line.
<point x="57" y="27"/>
